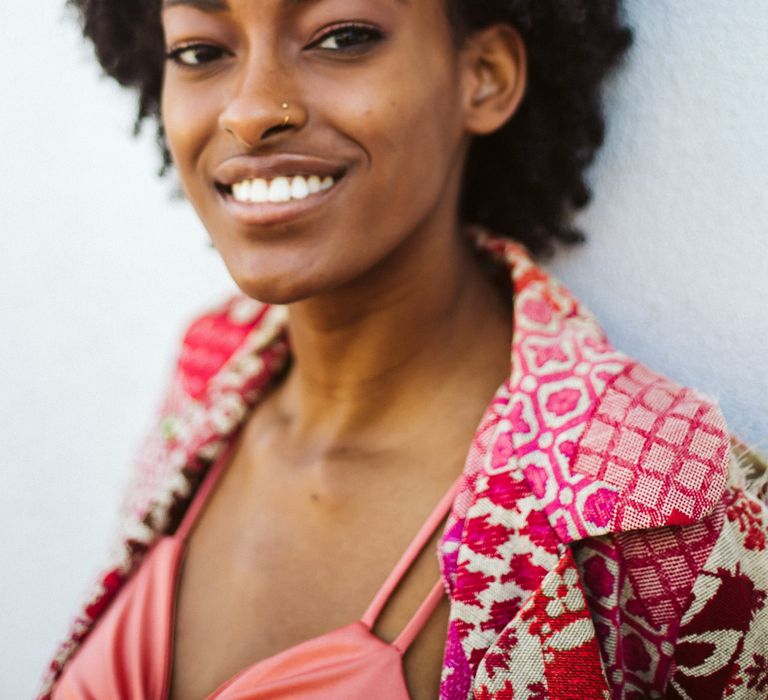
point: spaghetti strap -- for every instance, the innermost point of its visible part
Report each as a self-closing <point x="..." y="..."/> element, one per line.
<point x="396" y="575"/>
<point x="420" y="617"/>
<point x="204" y="490"/>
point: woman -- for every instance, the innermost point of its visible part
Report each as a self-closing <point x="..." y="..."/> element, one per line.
<point x="349" y="159"/>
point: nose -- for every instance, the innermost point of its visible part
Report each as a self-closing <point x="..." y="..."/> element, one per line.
<point x="261" y="106"/>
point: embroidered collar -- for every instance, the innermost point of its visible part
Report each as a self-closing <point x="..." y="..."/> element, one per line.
<point x="606" y="444"/>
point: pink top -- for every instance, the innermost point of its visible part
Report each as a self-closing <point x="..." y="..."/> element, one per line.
<point x="129" y="653"/>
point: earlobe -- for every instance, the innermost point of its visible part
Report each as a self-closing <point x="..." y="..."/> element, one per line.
<point x="497" y="65"/>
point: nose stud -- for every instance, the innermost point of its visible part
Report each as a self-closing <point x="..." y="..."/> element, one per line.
<point x="287" y="118"/>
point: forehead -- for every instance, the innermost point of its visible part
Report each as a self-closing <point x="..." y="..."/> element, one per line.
<point x="223" y="5"/>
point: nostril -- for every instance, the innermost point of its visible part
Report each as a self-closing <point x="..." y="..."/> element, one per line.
<point x="273" y="130"/>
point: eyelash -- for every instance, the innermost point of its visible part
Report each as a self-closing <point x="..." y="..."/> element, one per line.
<point x="366" y="35"/>
<point x="176" y="54"/>
<point x="370" y="35"/>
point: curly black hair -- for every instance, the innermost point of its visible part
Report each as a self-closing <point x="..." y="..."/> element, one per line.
<point x="541" y="153"/>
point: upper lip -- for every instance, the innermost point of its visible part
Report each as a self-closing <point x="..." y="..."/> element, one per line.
<point x="240" y="168"/>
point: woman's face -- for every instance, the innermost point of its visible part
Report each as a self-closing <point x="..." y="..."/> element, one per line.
<point x="374" y="99"/>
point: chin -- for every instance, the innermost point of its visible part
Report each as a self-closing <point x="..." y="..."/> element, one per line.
<point x="280" y="278"/>
<point x="278" y="287"/>
<point x="267" y="277"/>
<point x="274" y="290"/>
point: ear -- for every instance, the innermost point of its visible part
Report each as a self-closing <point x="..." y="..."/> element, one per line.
<point x="495" y="69"/>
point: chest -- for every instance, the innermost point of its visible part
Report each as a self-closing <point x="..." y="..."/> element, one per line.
<point x="271" y="563"/>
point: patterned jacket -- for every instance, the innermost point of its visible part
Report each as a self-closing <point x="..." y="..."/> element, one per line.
<point x="605" y="543"/>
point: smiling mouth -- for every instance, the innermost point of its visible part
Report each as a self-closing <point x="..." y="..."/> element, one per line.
<point x="279" y="189"/>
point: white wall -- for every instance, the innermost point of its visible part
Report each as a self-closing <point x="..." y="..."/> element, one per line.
<point x="99" y="270"/>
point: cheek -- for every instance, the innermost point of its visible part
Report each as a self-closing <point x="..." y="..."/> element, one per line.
<point x="407" y="122"/>
<point x="189" y="118"/>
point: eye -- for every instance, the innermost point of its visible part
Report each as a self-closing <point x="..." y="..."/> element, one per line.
<point x="193" y="55"/>
<point x="349" y="38"/>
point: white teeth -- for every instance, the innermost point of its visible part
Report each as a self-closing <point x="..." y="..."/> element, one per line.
<point x="241" y="191"/>
<point x="259" y="191"/>
<point x="299" y="188"/>
<point x="281" y="189"/>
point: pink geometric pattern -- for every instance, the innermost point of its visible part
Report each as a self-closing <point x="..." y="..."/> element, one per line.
<point x="555" y="590"/>
<point x="660" y="445"/>
<point x="561" y="364"/>
<point x="660" y="566"/>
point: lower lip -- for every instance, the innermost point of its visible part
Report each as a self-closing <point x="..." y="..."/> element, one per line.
<point x="275" y="213"/>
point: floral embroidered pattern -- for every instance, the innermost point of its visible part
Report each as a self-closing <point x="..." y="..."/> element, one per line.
<point x="554" y="628"/>
<point x="722" y="644"/>
<point x="757" y="673"/>
<point x="746" y="514"/>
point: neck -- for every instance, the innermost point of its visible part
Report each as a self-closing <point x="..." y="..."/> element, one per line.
<point x="368" y="353"/>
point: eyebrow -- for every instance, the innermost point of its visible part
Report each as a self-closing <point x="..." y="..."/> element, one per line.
<point x="205" y="5"/>
<point x="219" y="5"/>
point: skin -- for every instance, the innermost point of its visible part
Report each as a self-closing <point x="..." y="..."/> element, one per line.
<point x="399" y="337"/>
